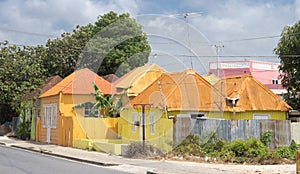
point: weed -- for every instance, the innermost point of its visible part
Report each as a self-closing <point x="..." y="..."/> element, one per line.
<point x="266" y="137"/>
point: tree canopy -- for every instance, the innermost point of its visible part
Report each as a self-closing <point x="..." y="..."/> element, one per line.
<point x="20" y="73"/>
<point x="113" y="44"/>
<point x="288" y="50"/>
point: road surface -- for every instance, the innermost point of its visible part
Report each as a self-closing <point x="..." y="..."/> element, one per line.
<point x="14" y="161"/>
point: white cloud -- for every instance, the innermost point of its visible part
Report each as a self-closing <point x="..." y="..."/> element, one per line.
<point x="221" y="20"/>
<point x="237" y="20"/>
<point x="52" y="16"/>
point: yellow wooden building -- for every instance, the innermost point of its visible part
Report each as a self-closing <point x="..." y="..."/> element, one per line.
<point x="61" y="123"/>
<point x="172" y="95"/>
<point x="247" y="98"/>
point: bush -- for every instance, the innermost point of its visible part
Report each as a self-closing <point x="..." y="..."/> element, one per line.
<point x="24" y="130"/>
<point x="266" y="138"/>
<point x="241" y="151"/>
<point x="189" y="146"/>
<point x="284" y="152"/>
<point x="136" y="150"/>
<point x="213" y="147"/>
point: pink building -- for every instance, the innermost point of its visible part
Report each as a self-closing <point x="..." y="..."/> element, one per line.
<point x="265" y="72"/>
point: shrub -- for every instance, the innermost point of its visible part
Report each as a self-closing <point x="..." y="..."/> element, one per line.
<point x="136" y="150"/>
<point x="189" y="146"/>
<point x="284" y="152"/>
<point x="241" y="151"/>
<point x="24" y="130"/>
<point x="266" y="137"/>
<point x="213" y="145"/>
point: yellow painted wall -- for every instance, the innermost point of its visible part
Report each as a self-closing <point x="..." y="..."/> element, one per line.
<point x="248" y="115"/>
<point x="87" y="127"/>
<point x="163" y="128"/>
<point x="82" y="127"/>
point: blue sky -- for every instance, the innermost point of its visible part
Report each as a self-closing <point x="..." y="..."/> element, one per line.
<point x="222" y="22"/>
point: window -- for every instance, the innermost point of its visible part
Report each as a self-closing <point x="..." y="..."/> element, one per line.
<point x="261" y="116"/>
<point x="152" y="123"/>
<point x="50" y="115"/>
<point x="54" y="116"/>
<point x="274" y="81"/>
<point x="89" y="111"/>
<point x="133" y="120"/>
<point x="197" y="115"/>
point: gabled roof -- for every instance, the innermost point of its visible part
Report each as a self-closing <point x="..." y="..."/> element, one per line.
<point x="110" y="78"/>
<point x="211" y="78"/>
<point x="49" y="83"/>
<point x="80" y="82"/>
<point x="139" y="78"/>
<point x="251" y="94"/>
<point x="185" y="90"/>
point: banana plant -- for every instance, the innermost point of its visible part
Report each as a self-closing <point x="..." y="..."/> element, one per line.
<point x="109" y="105"/>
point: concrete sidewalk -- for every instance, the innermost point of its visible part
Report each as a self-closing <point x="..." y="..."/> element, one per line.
<point x="139" y="165"/>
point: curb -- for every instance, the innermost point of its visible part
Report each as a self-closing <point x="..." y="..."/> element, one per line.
<point x="64" y="156"/>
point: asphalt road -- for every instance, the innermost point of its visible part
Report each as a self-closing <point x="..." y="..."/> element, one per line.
<point x="14" y="161"/>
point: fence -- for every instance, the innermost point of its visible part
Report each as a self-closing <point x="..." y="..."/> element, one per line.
<point x="230" y="130"/>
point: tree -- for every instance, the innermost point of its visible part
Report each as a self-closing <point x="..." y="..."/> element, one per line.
<point x="288" y="50"/>
<point x="20" y="73"/>
<point x="113" y="44"/>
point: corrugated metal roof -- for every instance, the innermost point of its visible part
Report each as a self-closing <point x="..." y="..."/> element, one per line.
<point x="212" y="78"/>
<point x="80" y="82"/>
<point x="139" y="78"/>
<point x="185" y="90"/>
<point x="252" y="94"/>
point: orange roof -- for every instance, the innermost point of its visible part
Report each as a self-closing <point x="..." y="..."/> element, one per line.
<point x="139" y="78"/>
<point x="49" y="83"/>
<point x="252" y="94"/>
<point x="212" y="78"/>
<point x="80" y="82"/>
<point x="185" y="90"/>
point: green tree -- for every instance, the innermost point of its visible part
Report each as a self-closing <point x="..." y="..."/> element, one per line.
<point x="20" y="73"/>
<point x="288" y="50"/>
<point x="113" y="44"/>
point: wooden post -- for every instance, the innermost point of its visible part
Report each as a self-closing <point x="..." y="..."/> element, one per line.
<point x="298" y="162"/>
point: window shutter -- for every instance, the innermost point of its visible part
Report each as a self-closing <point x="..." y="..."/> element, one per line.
<point x="152" y="123"/>
<point x="133" y="120"/>
<point x="44" y="116"/>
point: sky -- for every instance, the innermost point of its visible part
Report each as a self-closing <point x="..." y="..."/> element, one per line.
<point x="213" y="30"/>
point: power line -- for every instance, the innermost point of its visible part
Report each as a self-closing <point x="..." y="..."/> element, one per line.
<point x="29" y="33"/>
<point x="251" y="39"/>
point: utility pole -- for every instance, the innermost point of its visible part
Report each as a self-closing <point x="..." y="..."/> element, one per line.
<point x="188" y="37"/>
<point x="218" y="48"/>
<point x="143" y="106"/>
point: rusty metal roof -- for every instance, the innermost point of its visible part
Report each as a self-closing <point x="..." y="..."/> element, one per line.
<point x="212" y="78"/>
<point x="184" y="90"/>
<point x="80" y="82"/>
<point x="251" y="94"/>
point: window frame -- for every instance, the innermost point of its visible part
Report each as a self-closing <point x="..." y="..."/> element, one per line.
<point x="133" y="119"/>
<point x="87" y="110"/>
<point x="152" y="123"/>
<point x="258" y="116"/>
<point x="49" y="115"/>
